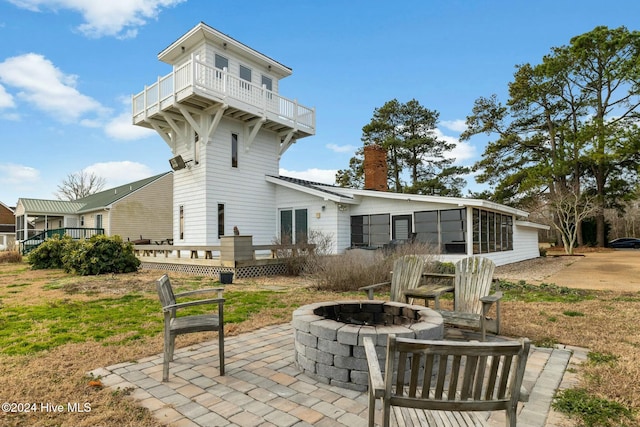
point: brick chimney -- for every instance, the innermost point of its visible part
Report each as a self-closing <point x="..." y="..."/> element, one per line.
<point x="375" y="168"/>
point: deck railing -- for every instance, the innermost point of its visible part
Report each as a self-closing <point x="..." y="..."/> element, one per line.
<point x="195" y="74"/>
<point x="76" y="233"/>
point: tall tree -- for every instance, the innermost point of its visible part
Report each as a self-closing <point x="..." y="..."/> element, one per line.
<point x="417" y="158"/>
<point x="79" y="184"/>
<point x="570" y="123"/>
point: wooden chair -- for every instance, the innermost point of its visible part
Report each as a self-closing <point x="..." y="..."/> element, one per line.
<point x="445" y="383"/>
<point x="176" y="325"/>
<point x="407" y="273"/>
<point x="472" y="298"/>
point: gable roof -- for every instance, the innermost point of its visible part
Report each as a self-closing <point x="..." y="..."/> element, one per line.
<point x="353" y="196"/>
<point x="93" y="202"/>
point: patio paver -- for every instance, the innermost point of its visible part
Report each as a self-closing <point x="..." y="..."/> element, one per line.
<point x="262" y="387"/>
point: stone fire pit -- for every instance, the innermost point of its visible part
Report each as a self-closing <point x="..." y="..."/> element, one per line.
<point x="328" y="336"/>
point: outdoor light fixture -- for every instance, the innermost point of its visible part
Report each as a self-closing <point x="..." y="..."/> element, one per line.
<point x="178" y="163"/>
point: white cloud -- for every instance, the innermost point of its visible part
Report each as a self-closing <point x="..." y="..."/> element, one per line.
<point x="342" y="148"/>
<point x="463" y="153"/>
<point x="119" y="18"/>
<point x="120" y="127"/>
<point x="119" y="173"/>
<point x="13" y="174"/>
<point x="48" y="89"/>
<point x="6" y="100"/>
<point x="325" y="176"/>
<point x="458" y="125"/>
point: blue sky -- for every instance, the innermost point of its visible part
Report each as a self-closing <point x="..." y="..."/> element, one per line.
<point x="68" y="69"/>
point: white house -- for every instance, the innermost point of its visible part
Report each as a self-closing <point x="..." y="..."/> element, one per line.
<point x="220" y="111"/>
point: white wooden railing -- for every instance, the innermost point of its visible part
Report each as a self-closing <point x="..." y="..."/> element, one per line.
<point x="195" y="74"/>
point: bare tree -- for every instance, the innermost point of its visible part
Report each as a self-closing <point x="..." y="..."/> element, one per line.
<point x="79" y="184"/>
<point x="568" y="209"/>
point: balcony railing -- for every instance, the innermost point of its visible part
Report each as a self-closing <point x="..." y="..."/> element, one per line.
<point x="196" y="75"/>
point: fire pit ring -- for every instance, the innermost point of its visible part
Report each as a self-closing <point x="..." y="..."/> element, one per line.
<point x="328" y="336"/>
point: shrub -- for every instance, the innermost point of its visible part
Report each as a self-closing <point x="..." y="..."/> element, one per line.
<point x="101" y="254"/>
<point x="98" y="255"/>
<point x="50" y="253"/>
<point x="362" y="267"/>
<point x="10" y="257"/>
<point x="351" y="270"/>
<point x="304" y="257"/>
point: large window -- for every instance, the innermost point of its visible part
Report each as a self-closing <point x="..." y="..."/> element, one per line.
<point x="293" y="226"/>
<point x="370" y="230"/>
<point x="492" y="232"/>
<point x="445" y="229"/>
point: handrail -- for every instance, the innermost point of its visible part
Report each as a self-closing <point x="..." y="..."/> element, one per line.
<point x="197" y="74"/>
<point x="76" y="233"/>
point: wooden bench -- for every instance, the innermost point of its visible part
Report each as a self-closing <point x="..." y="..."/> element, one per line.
<point x="446" y="383"/>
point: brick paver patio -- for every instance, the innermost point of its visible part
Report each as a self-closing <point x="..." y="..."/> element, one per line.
<point x="262" y="387"/>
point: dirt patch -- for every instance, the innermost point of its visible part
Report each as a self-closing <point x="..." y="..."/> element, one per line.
<point x="605" y="270"/>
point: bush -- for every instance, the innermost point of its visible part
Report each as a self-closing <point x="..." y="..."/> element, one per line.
<point x="101" y="254"/>
<point x="50" y="253"/>
<point x="10" y="257"/>
<point x="361" y="267"/>
<point x="98" y="255"/>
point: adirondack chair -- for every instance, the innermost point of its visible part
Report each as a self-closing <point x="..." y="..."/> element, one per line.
<point x="177" y="325"/>
<point x="444" y="383"/>
<point x="472" y="298"/>
<point x="407" y="273"/>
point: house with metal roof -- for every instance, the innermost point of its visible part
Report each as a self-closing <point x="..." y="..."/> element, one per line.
<point x="220" y="111"/>
<point x="138" y="210"/>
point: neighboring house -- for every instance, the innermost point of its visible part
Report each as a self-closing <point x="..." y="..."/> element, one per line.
<point x="220" y="112"/>
<point x="7" y="227"/>
<point x="141" y="209"/>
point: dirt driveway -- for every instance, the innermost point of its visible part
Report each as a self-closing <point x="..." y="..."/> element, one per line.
<point x="615" y="270"/>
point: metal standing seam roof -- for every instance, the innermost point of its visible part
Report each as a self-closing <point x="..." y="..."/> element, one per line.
<point x="95" y="201"/>
<point x="313" y="185"/>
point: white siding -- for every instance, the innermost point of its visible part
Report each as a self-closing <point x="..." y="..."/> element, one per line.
<point x="324" y="221"/>
<point x="249" y="200"/>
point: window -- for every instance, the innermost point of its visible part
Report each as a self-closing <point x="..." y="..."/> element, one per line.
<point x="445" y="229"/>
<point x="427" y="230"/>
<point x="370" y="230"/>
<point x="293" y="226"/>
<point x="81" y="220"/>
<point x="267" y="82"/>
<point x="234" y="150"/>
<point x="245" y="74"/>
<point x="220" y="220"/>
<point x="98" y="221"/>
<point x="453" y="231"/>
<point x="221" y="62"/>
<point x="492" y="232"/>
<point x="181" y="222"/>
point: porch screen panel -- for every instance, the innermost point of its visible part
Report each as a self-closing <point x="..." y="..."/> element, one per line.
<point x="426" y="227"/>
<point x="453" y="231"/>
<point x="359" y="224"/>
<point x="476" y="231"/>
